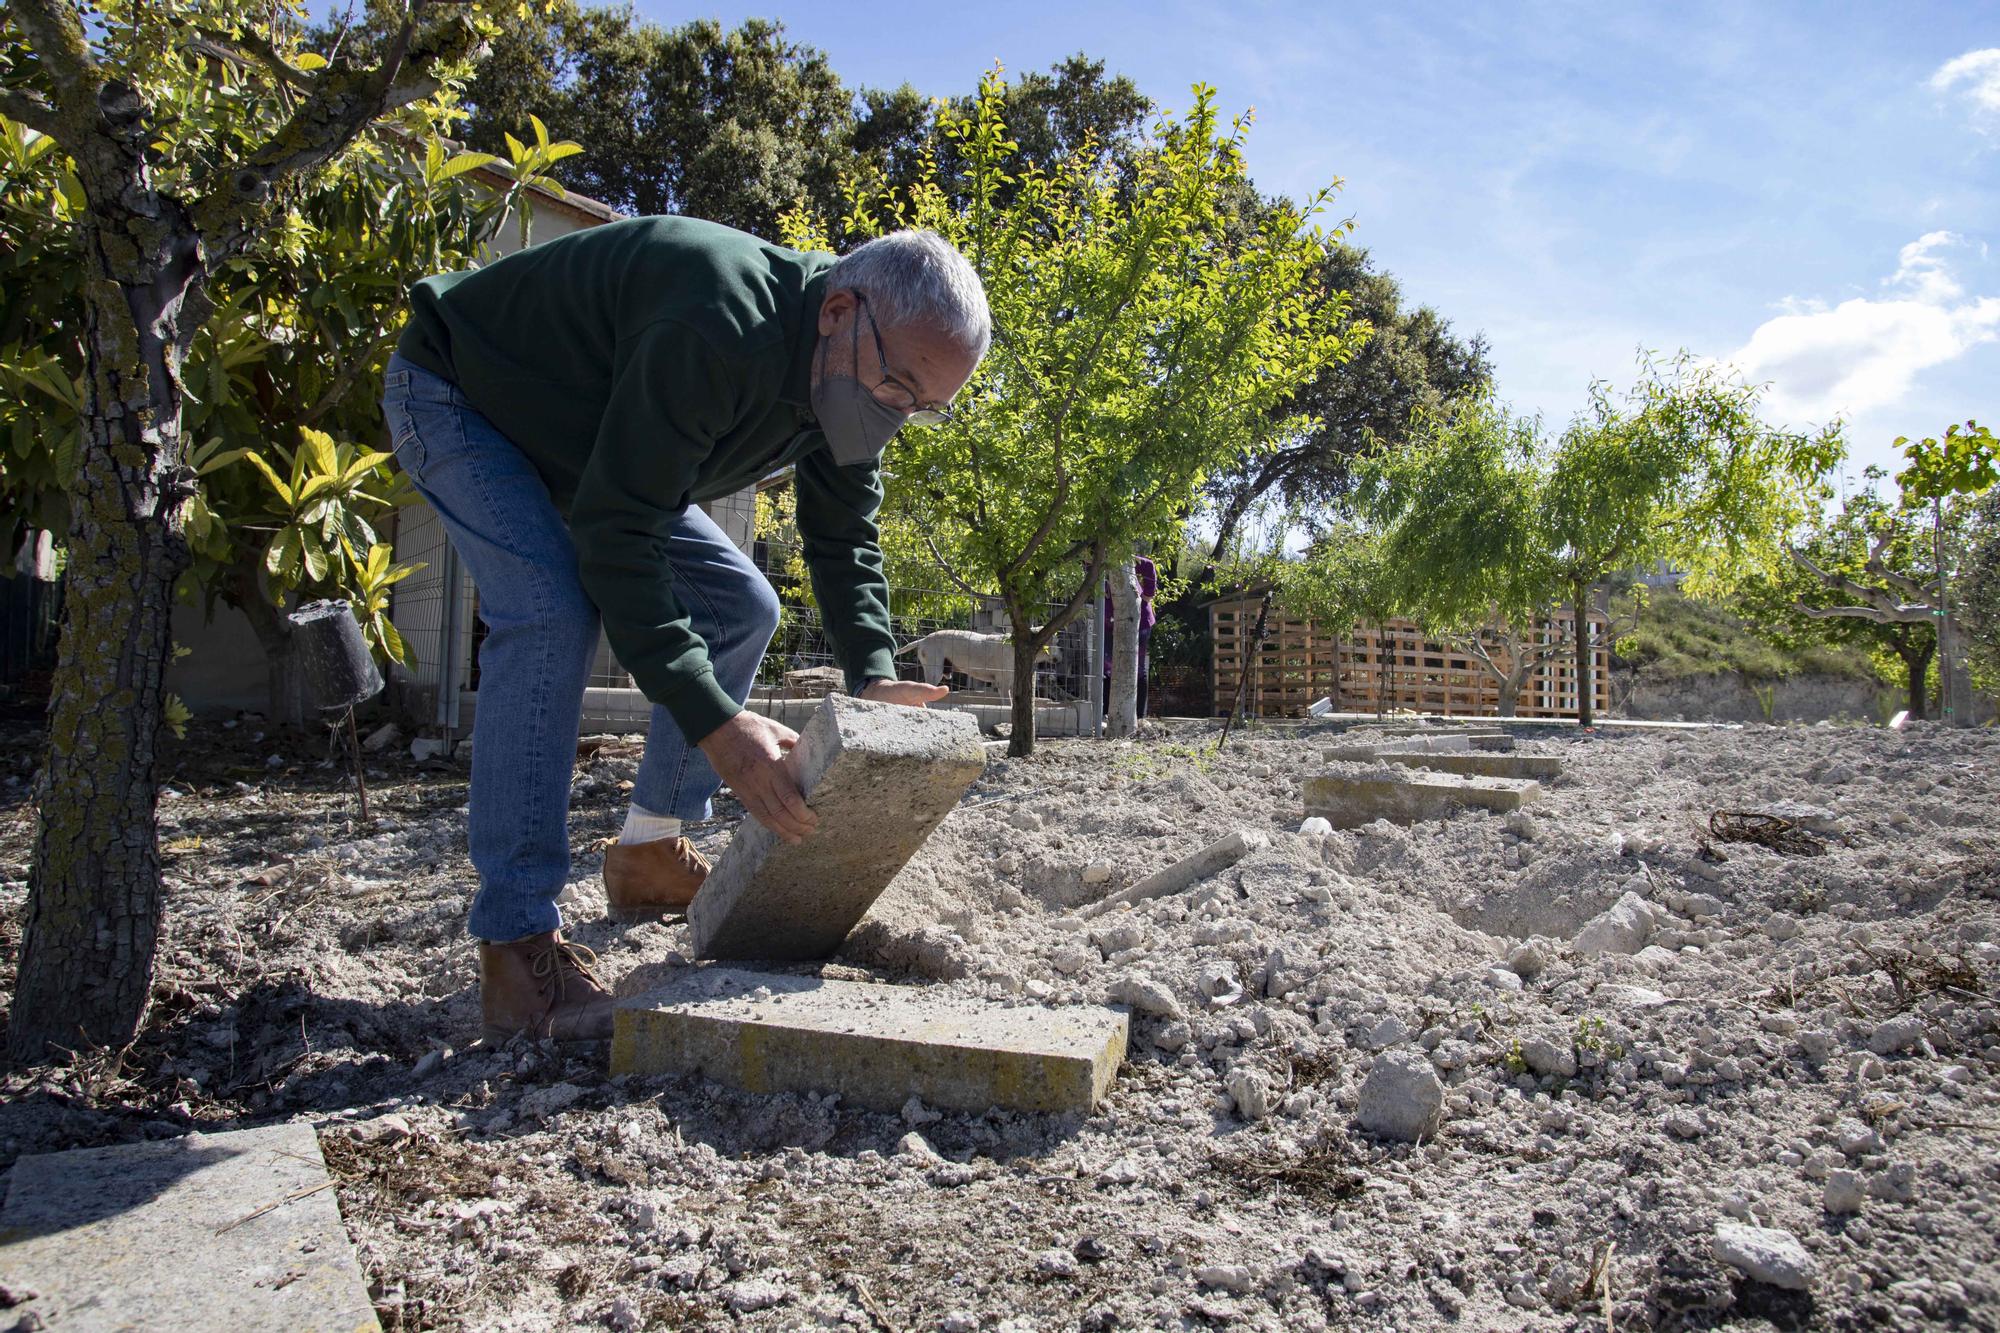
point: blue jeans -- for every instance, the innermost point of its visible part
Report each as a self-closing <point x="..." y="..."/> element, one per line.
<point x="541" y="637"/>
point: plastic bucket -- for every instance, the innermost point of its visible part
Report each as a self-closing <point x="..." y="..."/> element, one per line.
<point x="339" y="671"/>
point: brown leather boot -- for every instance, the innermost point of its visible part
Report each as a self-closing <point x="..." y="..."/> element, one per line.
<point x="542" y="985"/>
<point x="645" y="881"/>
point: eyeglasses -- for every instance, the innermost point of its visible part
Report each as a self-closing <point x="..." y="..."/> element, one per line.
<point x="892" y="392"/>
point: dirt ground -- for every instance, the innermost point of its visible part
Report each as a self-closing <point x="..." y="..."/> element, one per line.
<point x="1809" y="1043"/>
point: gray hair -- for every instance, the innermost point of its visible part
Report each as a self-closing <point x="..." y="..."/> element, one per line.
<point x="917" y="277"/>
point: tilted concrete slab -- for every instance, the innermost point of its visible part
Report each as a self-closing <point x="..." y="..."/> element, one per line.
<point x="1350" y="802"/>
<point x="874" y="1045"/>
<point x="169" y="1236"/>
<point x="881" y="778"/>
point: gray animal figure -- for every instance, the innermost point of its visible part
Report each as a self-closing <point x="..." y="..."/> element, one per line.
<point x="987" y="657"/>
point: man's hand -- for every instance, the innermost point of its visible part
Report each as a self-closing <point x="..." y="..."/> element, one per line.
<point x="910" y="693"/>
<point x="748" y="752"/>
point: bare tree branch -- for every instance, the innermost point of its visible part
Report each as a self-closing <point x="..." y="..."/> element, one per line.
<point x="1876" y="604"/>
<point x="950" y="573"/>
<point x="340" y="105"/>
<point x="27" y="109"/>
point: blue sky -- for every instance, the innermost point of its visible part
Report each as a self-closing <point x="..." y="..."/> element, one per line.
<point x="1811" y="191"/>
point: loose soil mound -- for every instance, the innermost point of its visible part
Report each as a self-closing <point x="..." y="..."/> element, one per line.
<point x="1809" y="1043"/>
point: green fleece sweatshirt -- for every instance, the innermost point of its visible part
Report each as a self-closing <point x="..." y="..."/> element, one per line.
<point x="644" y="365"/>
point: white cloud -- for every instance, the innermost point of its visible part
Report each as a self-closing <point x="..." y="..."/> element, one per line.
<point x="1864" y="354"/>
<point x="1979" y="71"/>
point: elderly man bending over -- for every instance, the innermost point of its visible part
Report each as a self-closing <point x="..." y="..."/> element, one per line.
<point x="563" y="409"/>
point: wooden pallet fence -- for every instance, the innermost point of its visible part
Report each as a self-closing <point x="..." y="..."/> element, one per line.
<point x="1380" y="668"/>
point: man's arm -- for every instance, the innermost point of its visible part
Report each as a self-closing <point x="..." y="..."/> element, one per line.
<point x="843" y="553"/>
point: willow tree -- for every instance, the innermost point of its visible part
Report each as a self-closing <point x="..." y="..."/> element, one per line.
<point x="188" y="126"/>
<point x="1138" y="344"/>
<point x="1681" y="471"/>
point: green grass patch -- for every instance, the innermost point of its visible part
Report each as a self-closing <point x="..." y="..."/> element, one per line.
<point x="1681" y="637"/>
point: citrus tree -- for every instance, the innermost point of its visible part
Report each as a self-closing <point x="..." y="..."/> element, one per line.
<point x="1137" y="345"/>
<point x="189" y="128"/>
<point x="1893" y="565"/>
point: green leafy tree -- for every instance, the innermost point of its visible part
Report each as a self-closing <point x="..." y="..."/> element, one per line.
<point x="1803" y="602"/>
<point x="283" y="376"/>
<point x="1136" y="347"/>
<point x="188" y="129"/>
<point x="1410" y="363"/>
<point x="1980" y="599"/>
<point x="1913" y="552"/>
<point x="1462" y="504"/>
<point x="1679" y="471"/>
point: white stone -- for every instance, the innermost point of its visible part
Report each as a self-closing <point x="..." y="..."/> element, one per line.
<point x="1250" y="1092"/>
<point x="1549" y="1058"/>
<point x="1898" y="1034"/>
<point x="1096" y="873"/>
<point x="1781" y="927"/>
<point x="1229" y="1277"/>
<point x="1623" y="927"/>
<point x="1526" y="959"/>
<point x="1401" y="1098"/>
<point x="1767" y="1254"/>
<point x="424" y="747"/>
<point x="1315" y="827"/>
<point x="1844" y="1193"/>
<point x="1147" y="996"/>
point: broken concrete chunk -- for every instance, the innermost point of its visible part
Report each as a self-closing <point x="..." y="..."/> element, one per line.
<point x="1350" y="802"/>
<point x="1624" y="927"/>
<point x="1765" y="1254"/>
<point x="1147" y="996"/>
<point x="1539" y="766"/>
<point x="1217" y="856"/>
<point x="881" y="777"/>
<point x="876" y="1046"/>
<point x="237" y="1231"/>
<point x="1401" y="1098"/>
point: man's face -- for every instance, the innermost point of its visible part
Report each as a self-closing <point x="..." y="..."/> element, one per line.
<point x="911" y="369"/>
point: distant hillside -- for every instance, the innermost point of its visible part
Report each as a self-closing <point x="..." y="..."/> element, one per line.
<point x="1679" y="637"/>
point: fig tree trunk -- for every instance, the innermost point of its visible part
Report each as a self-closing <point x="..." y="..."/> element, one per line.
<point x="93" y="907"/>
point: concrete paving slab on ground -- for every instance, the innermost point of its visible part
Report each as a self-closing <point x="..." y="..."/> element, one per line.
<point x="1350" y="802"/>
<point x="1542" y="767"/>
<point x="874" y="1045"/>
<point x="169" y="1236"/>
<point x="881" y="778"/>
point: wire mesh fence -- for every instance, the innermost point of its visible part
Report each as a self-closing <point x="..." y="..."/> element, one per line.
<point x="436" y="610"/>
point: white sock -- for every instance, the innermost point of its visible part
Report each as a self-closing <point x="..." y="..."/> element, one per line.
<point x="642" y="825"/>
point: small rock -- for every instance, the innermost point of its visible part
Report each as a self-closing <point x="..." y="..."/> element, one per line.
<point x="916" y="1113"/>
<point x="1147" y="996"/>
<point x="1767" y="1254"/>
<point x="1024" y="819"/>
<point x="1315" y="827"/>
<point x="1897" y="1035"/>
<point x="1055" y="1263"/>
<point x="1401" y="1098"/>
<point x="1781" y="927"/>
<point x="1526" y="959"/>
<point x="1856" y="1139"/>
<point x="1096" y="873"/>
<point x="1684" y="1124"/>
<point x="424" y="747"/>
<point x="1071" y="959"/>
<point x="382" y="738"/>
<point x="756" y="1294"/>
<point x="1546" y="1057"/>
<point x="1499" y="978"/>
<point x="1250" y="1092"/>
<point x="1173" y="1036"/>
<point x="1522" y="825"/>
<point x="545" y="1102"/>
<point x="1843" y="1191"/>
<point x="1621" y="928"/>
<point x="1233" y="1278"/>
<point x="918" y="1149"/>
<point x="430" y="1064"/>
<point x="623" y="1317"/>
<point x="1391" y="1031"/>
